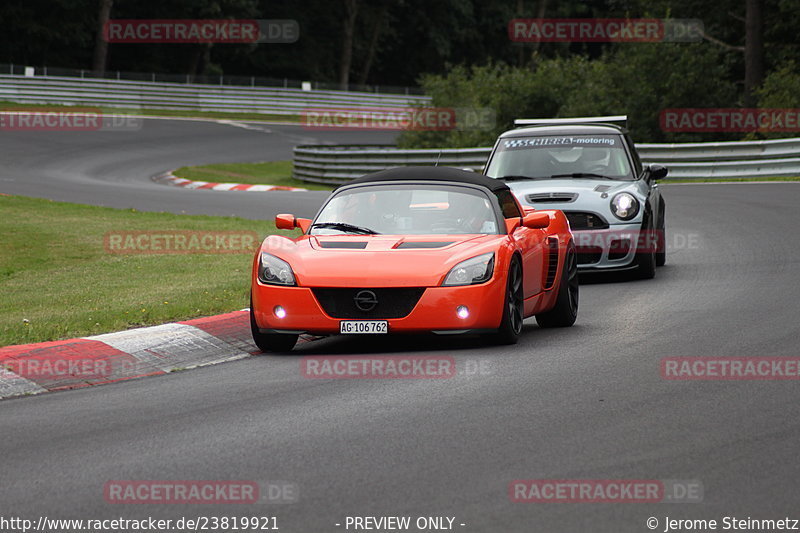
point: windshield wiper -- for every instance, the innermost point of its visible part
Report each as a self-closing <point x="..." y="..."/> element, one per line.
<point x="516" y="177"/>
<point x="344" y="226"/>
<point x="581" y="175"/>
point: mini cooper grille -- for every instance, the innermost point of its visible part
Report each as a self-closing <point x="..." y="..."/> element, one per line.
<point x="552" y="197"/>
<point x="579" y="220"/>
<point x="552" y="262"/>
<point x="391" y="302"/>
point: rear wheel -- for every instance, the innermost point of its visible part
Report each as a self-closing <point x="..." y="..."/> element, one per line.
<point x="270" y="342"/>
<point x="564" y="313"/>
<point x="513" y="306"/>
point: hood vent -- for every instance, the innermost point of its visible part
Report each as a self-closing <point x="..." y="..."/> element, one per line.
<point x="552" y="197"/>
<point x="422" y="244"/>
<point x="346" y="245"/>
<point x="602" y="188"/>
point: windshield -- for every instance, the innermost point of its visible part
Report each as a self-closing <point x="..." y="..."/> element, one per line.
<point x="407" y="210"/>
<point x="561" y="156"/>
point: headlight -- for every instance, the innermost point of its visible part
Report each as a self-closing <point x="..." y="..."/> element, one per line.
<point x="472" y="271"/>
<point x="624" y="206"/>
<point x="274" y="271"/>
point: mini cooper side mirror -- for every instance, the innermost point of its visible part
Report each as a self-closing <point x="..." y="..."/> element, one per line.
<point x="658" y="171"/>
<point x="536" y="220"/>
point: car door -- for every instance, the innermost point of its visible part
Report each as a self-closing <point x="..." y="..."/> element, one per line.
<point x="531" y="243"/>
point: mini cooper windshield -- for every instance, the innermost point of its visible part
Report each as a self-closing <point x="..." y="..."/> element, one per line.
<point x="407" y="209"/>
<point x="566" y="156"/>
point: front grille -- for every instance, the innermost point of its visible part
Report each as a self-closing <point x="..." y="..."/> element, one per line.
<point x="552" y="262"/>
<point x="587" y="255"/>
<point x="391" y="302"/>
<point x="579" y="220"/>
<point x="551" y="197"/>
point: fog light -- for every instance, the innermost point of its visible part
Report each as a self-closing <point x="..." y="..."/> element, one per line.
<point x="462" y="311"/>
<point x="279" y="311"/>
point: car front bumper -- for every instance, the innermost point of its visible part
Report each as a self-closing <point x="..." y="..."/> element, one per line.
<point x="610" y="249"/>
<point x="435" y="311"/>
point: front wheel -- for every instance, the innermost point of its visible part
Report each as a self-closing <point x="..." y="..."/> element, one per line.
<point x="513" y="306"/>
<point x="564" y="313"/>
<point x="661" y="253"/>
<point x="270" y="342"/>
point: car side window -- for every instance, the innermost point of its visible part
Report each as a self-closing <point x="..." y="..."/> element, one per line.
<point x="637" y="163"/>
<point x="508" y="205"/>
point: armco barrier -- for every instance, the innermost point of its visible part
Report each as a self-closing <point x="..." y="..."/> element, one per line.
<point x="751" y="159"/>
<point x="191" y="97"/>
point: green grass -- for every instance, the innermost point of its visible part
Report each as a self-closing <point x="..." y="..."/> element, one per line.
<point x="727" y="180"/>
<point x="186" y="113"/>
<point x="266" y="173"/>
<point x="57" y="281"/>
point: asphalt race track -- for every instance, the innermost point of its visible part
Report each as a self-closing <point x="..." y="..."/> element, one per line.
<point x="114" y="168"/>
<point x="586" y="402"/>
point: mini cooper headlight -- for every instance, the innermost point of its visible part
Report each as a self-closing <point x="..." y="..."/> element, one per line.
<point x="625" y="206"/>
<point x="274" y="271"/>
<point x="476" y="270"/>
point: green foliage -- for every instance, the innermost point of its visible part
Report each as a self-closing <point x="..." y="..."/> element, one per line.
<point x="639" y="80"/>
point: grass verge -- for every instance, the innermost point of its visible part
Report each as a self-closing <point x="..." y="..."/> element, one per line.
<point x="265" y="173"/>
<point x="57" y="280"/>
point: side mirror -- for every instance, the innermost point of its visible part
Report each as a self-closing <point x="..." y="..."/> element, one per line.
<point x="285" y="221"/>
<point x="536" y="220"/>
<point x="657" y="172"/>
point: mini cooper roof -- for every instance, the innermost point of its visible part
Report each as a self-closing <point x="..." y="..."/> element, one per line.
<point x="424" y="173"/>
<point x="565" y="129"/>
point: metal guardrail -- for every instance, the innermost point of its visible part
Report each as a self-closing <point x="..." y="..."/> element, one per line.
<point x="193" y="97"/>
<point x="751" y="159"/>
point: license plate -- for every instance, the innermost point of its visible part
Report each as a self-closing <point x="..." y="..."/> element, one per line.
<point x="363" y="326"/>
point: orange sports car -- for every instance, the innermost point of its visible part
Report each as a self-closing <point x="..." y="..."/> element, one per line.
<point x="415" y="249"/>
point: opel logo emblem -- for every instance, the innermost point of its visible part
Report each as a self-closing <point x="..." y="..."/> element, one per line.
<point x="366" y="300"/>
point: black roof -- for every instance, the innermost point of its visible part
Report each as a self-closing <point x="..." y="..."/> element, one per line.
<point x="421" y="173"/>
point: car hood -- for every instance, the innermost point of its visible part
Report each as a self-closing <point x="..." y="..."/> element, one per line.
<point x="578" y="194"/>
<point x="377" y="260"/>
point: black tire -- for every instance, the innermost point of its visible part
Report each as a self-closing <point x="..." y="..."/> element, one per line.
<point x="270" y="342"/>
<point x="645" y="265"/>
<point x="513" y="306"/>
<point x="564" y="313"/>
<point x="661" y="254"/>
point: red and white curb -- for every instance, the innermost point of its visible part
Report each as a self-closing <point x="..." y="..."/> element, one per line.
<point x="47" y="366"/>
<point x="170" y="179"/>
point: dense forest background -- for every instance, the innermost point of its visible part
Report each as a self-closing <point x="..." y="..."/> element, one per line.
<point x="458" y="51"/>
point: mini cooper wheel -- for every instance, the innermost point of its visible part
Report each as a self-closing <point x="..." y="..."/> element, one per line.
<point x="566" y="309"/>
<point x="270" y="342"/>
<point x="513" y="306"/>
